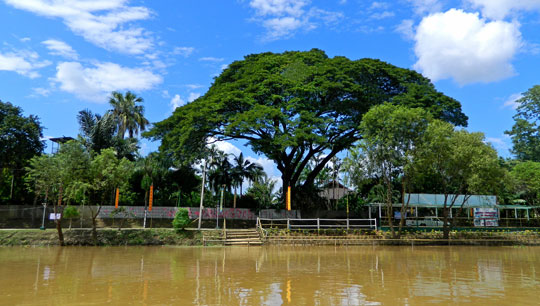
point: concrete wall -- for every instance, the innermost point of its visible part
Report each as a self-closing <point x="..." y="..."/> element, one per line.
<point x="136" y="212"/>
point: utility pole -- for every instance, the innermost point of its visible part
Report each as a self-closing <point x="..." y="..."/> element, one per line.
<point x="202" y="194"/>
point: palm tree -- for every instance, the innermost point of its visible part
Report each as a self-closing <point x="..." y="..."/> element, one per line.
<point x="127" y="114"/>
<point x="244" y="169"/>
<point x="98" y="132"/>
<point x="219" y="174"/>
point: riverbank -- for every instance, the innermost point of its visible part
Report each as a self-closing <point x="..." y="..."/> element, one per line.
<point x="342" y="237"/>
<point x="193" y="237"/>
<point x="106" y="237"/>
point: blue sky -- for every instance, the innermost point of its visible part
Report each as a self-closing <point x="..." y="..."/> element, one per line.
<point x="58" y="57"/>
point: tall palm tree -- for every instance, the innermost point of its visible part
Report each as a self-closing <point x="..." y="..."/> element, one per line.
<point x="244" y="169"/>
<point x="127" y="114"/>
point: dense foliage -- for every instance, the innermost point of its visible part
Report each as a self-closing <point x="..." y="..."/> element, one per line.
<point x="295" y="105"/>
<point x="20" y="140"/>
<point x="526" y="130"/>
<point x="181" y="219"/>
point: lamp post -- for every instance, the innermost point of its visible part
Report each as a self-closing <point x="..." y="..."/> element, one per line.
<point x="220" y="207"/>
<point x="43" y="221"/>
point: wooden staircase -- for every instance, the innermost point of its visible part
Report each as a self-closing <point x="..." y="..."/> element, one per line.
<point x="249" y="237"/>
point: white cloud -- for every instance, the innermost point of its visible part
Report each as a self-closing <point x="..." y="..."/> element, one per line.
<point x="193" y="86"/>
<point x="282" y="18"/>
<point x="279" y="7"/>
<point x="379" y="5"/>
<point x="211" y="59"/>
<point x="422" y="7"/>
<point x="60" y="48"/>
<point x="512" y="101"/>
<point x="406" y="29"/>
<point x="105" y="23"/>
<point x="176" y="101"/>
<point x="500" y="143"/>
<point x="192" y="96"/>
<point x="25" y="39"/>
<point x="224" y="146"/>
<point x="95" y="83"/>
<point x="499" y="9"/>
<point x="382" y="15"/>
<point x="269" y="168"/>
<point x="465" y="47"/>
<point x="22" y="62"/>
<point x="39" y="91"/>
<point x="183" y="51"/>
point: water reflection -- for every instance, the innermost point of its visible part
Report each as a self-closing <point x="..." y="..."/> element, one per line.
<point x="268" y="275"/>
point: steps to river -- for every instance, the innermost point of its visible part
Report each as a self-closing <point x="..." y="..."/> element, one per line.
<point x="237" y="237"/>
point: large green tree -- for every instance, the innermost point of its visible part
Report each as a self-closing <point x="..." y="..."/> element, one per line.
<point x="459" y="163"/>
<point x="391" y="135"/>
<point x="526" y="176"/>
<point x="294" y="105"/>
<point x="526" y="130"/>
<point x="19" y="142"/>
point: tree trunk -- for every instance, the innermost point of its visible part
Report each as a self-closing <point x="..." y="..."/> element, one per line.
<point x="94" y="230"/>
<point x="12" y="183"/>
<point x="234" y="199"/>
<point x="389" y="207"/>
<point x="94" y="225"/>
<point x="446" y="227"/>
<point x="404" y="208"/>
<point x="59" y="226"/>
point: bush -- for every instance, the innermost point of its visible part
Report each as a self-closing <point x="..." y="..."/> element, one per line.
<point x="181" y="219"/>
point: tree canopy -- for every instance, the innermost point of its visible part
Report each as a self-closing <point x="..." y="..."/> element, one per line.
<point x="19" y="136"/>
<point x="526" y="130"/>
<point x="292" y="106"/>
<point x="20" y="140"/>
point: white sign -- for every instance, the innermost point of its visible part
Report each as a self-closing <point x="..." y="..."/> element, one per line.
<point x="485" y="216"/>
<point x="53" y="217"/>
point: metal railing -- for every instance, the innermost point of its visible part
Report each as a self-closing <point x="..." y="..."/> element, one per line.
<point x="317" y="223"/>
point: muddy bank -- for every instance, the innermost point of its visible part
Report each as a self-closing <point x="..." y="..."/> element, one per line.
<point x="106" y="237"/>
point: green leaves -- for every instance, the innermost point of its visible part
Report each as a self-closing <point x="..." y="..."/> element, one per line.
<point x="525" y="132"/>
<point x="295" y="105"/>
<point x="19" y="136"/>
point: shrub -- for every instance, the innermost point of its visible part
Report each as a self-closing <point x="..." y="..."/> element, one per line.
<point x="71" y="213"/>
<point x="181" y="219"/>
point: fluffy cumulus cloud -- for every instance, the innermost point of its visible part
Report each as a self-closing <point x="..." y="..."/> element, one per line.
<point x="105" y="23"/>
<point x="465" y="47"/>
<point x="499" y="9"/>
<point x="96" y="82"/>
<point x="176" y="101"/>
<point x="282" y="18"/>
<point x="58" y="47"/>
<point x="22" y="62"/>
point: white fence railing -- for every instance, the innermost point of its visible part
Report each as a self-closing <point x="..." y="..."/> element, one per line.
<point x="318" y="223"/>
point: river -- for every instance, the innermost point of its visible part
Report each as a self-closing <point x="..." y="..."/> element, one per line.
<point x="269" y="275"/>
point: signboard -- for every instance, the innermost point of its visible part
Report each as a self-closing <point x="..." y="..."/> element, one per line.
<point x="485" y="216"/>
<point x="54" y="216"/>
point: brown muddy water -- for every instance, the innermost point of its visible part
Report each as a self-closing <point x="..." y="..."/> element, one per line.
<point x="270" y="276"/>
